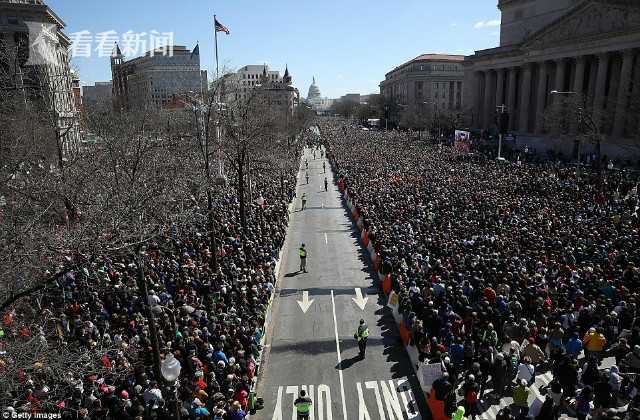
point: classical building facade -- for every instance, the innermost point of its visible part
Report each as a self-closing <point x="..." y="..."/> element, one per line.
<point x="315" y="100"/>
<point x="434" y="79"/>
<point x="258" y="82"/>
<point x="34" y="58"/>
<point x="589" y="48"/>
<point x="153" y="80"/>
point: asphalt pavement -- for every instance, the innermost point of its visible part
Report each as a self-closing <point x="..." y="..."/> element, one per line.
<point x="310" y="344"/>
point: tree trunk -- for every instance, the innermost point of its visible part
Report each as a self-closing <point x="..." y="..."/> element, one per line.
<point x="212" y="234"/>
<point x="153" y="331"/>
<point x="241" y="197"/>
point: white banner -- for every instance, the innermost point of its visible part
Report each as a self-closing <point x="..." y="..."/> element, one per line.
<point x="462" y="135"/>
<point x="429" y="373"/>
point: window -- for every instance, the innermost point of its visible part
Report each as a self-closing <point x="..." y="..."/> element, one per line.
<point x="12" y="20"/>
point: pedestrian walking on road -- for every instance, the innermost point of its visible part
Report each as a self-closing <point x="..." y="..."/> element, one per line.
<point x="361" y="335"/>
<point x="303" y="405"/>
<point x="303" y="258"/>
<point x="307" y="176"/>
<point x="326" y="184"/>
<point x="324" y="167"/>
<point x="306" y="163"/>
<point x="304" y="200"/>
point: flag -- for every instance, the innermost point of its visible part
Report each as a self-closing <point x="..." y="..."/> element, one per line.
<point x="196" y="50"/>
<point x="220" y="27"/>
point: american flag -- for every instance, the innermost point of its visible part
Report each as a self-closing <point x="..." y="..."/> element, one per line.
<point x="220" y="27"/>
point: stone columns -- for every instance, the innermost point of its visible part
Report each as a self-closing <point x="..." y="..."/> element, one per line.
<point x="578" y="80"/>
<point x="488" y="100"/>
<point x="525" y="98"/>
<point x="500" y="73"/>
<point x="511" y="97"/>
<point x="541" y="97"/>
<point x="560" y="75"/>
<point x="601" y="84"/>
<point x="478" y="99"/>
<point x="623" y="93"/>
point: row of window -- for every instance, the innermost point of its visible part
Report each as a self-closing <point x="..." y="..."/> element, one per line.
<point x="258" y="76"/>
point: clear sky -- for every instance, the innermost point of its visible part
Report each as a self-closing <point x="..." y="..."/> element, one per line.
<point x="348" y="45"/>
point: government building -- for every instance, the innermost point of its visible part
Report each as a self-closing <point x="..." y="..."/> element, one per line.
<point x="434" y="80"/>
<point x="586" y="49"/>
<point x="316" y="101"/>
<point x="34" y="64"/>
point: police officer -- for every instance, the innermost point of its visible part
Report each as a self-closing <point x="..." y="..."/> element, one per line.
<point x="361" y="335"/>
<point x="303" y="258"/>
<point x="303" y="405"/>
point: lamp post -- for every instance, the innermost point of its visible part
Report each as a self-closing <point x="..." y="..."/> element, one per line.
<point x="170" y="369"/>
<point x="502" y="109"/>
<point x="585" y="121"/>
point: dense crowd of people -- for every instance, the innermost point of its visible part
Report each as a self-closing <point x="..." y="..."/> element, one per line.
<point x="504" y="271"/>
<point x="210" y="320"/>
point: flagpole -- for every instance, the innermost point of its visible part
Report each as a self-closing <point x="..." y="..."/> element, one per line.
<point x="215" y="36"/>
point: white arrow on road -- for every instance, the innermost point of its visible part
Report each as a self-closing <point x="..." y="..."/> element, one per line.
<point x="359" y="300"/>
<point x="306" y="303"/>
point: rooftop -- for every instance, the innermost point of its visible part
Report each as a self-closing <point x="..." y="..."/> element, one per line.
<point x="431" y="57"/>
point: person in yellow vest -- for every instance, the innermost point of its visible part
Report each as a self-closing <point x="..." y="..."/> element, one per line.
<point x="361" y="335"/>
<point x="303" y="258"/>
<point x="303" y="405"/>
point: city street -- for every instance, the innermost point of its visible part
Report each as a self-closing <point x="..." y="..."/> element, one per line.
<point x="310" y="341"/>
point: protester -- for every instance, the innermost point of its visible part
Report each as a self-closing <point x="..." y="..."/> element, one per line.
<point x="491" y="258"/>
<point x="209" y="316"/>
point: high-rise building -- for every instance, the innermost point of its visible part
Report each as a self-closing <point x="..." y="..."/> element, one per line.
<point x="153" y="80"/>
<point x="587" y="48"/>
<point x="34" y="58"/>
<point x="97" y="95"/>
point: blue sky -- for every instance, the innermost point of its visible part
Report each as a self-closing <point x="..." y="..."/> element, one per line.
<point x="348" y="45"/>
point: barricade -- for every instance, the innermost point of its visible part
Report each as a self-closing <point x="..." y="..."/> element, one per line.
<point x="393" y="301"/>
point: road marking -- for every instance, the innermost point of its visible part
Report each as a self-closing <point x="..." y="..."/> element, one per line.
<point x="294" y="391"/>
<point x="277" y="411"/>
<point x="359" y="300"/>
<point x="324" y="389"/>
<point x="391" y="399"/>
<point x="326" y="239"/>
<point x="335" y="329"/>
<point x="393" y="396"/>
<point x="362" y="407"/>
<point x="306" y="303"/>
<point x="374" y="385"/>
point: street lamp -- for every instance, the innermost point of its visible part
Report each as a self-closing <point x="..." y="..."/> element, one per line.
<point x="170" y="369"/>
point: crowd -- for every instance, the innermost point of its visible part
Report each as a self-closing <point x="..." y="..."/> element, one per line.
<point x="504" y="271"/>
<point x="210" y="321"/>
